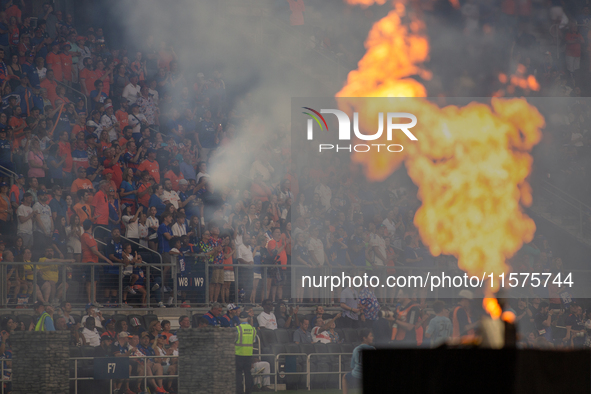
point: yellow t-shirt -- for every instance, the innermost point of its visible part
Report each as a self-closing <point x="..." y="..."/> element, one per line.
<point x="49" y="272"/>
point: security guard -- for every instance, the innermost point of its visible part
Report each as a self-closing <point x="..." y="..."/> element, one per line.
<point x="45" y="322"/>
<point x="243" y="348"/>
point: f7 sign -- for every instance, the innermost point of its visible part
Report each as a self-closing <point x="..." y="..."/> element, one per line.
<point x="344" y="132"/>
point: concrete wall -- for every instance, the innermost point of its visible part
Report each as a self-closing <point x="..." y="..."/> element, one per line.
<point x="40" y="362"/>
<point x="207" y="361"/>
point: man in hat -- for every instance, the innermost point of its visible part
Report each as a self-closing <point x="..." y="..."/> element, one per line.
<point x="461" y="320"/>
<point x="243" y="349"/>
<point x="230" y="319"/>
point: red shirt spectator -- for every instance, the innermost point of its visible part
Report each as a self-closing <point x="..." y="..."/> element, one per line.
<point x="151" y="165"/>
<point x="54" y="60"/>
<point x="174" y="179"/>
<point x="88" y="242"/>
<point x="100" y="202"/>
<point x="66" y="63"/>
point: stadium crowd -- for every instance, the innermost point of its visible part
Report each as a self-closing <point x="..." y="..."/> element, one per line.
<point x="132" y="154"/>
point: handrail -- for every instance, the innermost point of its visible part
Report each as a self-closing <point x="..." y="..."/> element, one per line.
<point x="143" y="377"/>
<point x="130" y="241"/>
<point x="161" y="269"/>
<point x="11" y="174"/>
<point x="560" y="191"/>
<point x="77" y="91"/>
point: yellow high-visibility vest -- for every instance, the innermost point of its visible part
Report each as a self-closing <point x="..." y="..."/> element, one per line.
<point x="40" y="326"/>
<point x="246" y="336"/>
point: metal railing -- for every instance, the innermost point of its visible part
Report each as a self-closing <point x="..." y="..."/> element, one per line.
<point x="11" y="174"/>
<point x="77" y="91"/>
<point x="144" y="377"/>
<point x="161" y="269"/>
<point x="68" y="275"/>
<point x="562" y="209"/>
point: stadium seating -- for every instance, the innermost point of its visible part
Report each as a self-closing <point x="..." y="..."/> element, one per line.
<point x="149" y="318"/>
<point x="139" y="317"/>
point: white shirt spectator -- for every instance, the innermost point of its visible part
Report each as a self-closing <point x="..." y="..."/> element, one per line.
<point x="200" y="175"/>
<point x="171" y="197"/>
<point x="26" y="227"/>
<point x="376" y="240"/>
<point x="316" y="247"/>
<point x="155" y="96"/>
<point x="108" y="121"/>
<point x="131" y="93"/>
<point x="391" y="226"/>
<point x="92" y="337"/>
<point x="244" y="252"/>
<point x="73" y="241"/>
<point x="318" y="336"/>
<point x="267" y="320"/>
<point x="131" y="229"/>
<point x="135" y="121"/>
<point x="44" y="212"/>
<point x="153" y="222"/>
<point x="325" y="195"/>
<point x="179" y="230"/>
<point x="97" y="321"/>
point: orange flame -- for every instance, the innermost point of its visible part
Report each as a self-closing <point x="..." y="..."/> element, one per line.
<point x="491" y="305"/>
<point x="470" y="164"/>
<point x="508" y="317"/>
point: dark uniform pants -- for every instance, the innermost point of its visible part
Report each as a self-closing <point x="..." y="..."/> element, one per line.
<point x="243" y="364"/>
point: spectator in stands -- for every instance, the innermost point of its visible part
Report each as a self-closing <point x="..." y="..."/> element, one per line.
<point x="154" y="329"/>
<point x="147" y="348"/>
<point x="353" y="379"/>
<point x="184" y="323"/>
<point x="90" y="333"/>
<point x="543" y="321"/>
<point x="45" y="317"/>
<point x="285" y="319"/>
<point x="461" y="321"/>
<point x="65" y="310"/>
<point x="408" y="314"/>
<point x="110" y="330"/>
<point x="302" y="335"/>
<point x="90" y="254"/>
<point x="266" y="318"/>
<point x="230" y="318"/>
<point x="320" y="331"/>
<point x="25" y="215"/>
<point x="440" y="328"/>
<point x="92" y="312"/>
<point x="114" y="251"/>
<point x="166" y="330"/>
<point x="212" y="315"/>
<point x="370" y="306"/>
<point x="350" y="303"/>
<point x="43" y="225"/>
